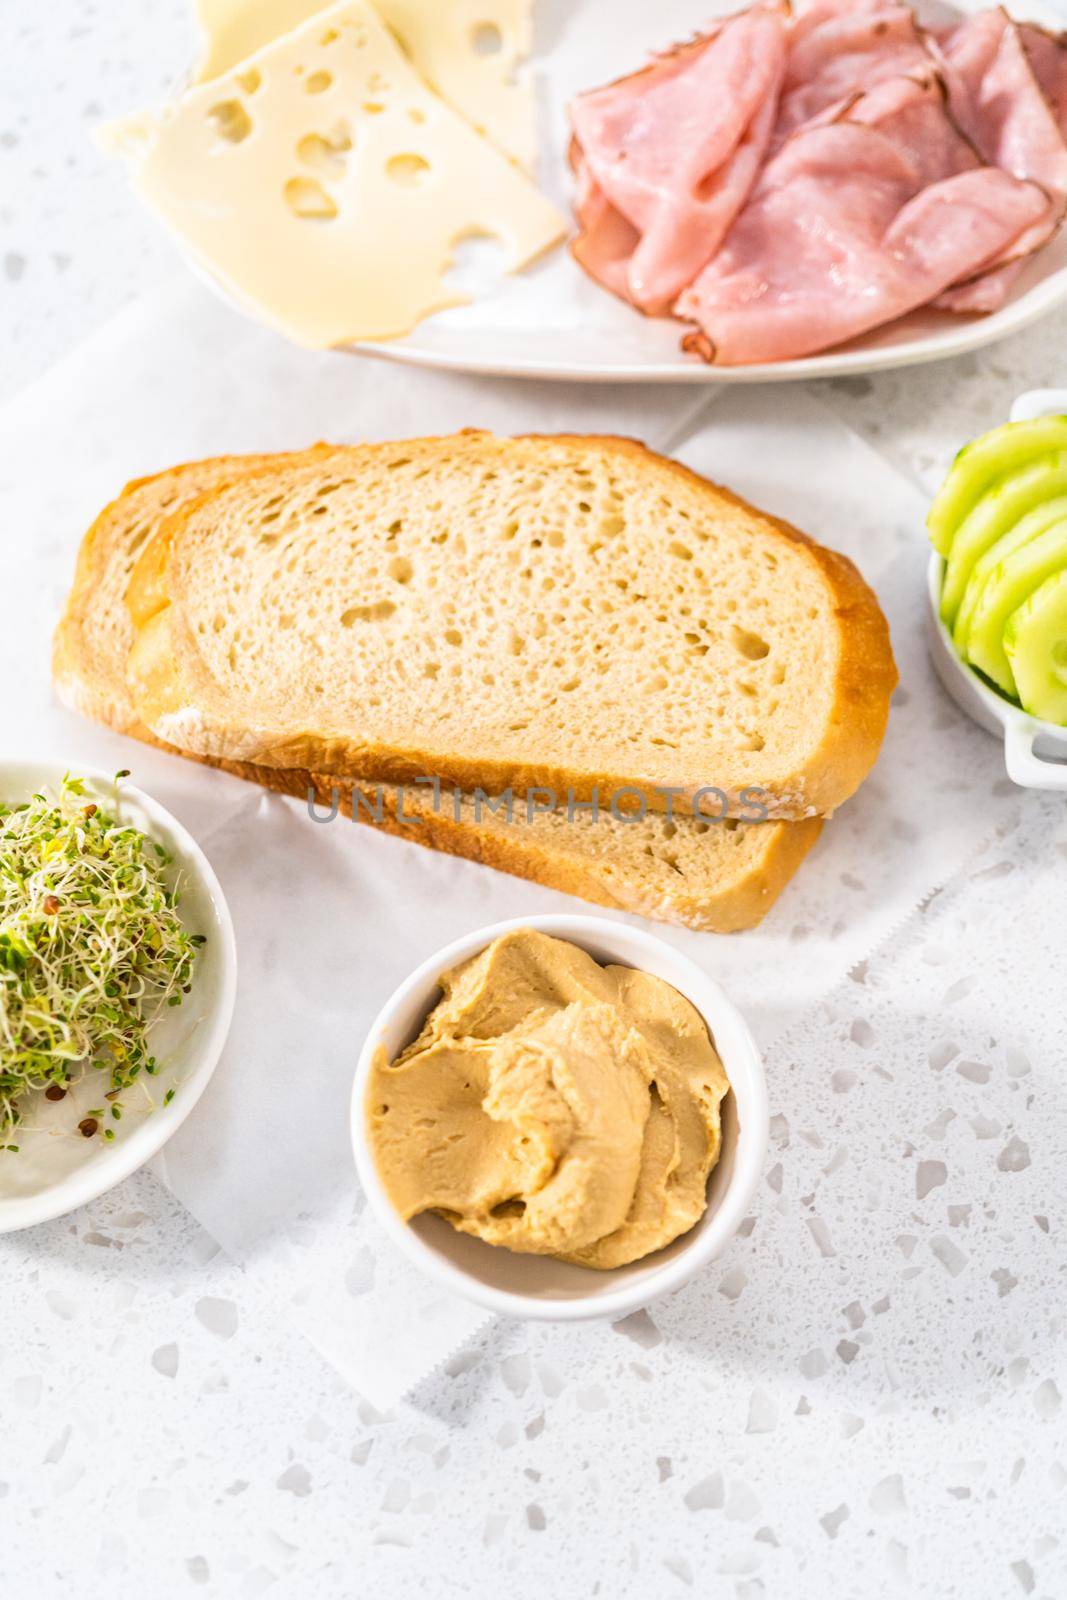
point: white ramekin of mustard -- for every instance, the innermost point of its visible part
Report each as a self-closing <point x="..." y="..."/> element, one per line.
<point x="559" y="1118"/>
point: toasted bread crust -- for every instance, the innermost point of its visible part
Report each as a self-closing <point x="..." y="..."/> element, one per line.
<point x="732" y="908"/>
<point x="738" y="906"/>
<point x="864" y="678"/>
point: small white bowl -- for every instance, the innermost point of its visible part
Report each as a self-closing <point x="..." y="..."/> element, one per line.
<point x="1035" y="752"/>
<point x="539" y="1287"/>
<point x="56" y="1170"/>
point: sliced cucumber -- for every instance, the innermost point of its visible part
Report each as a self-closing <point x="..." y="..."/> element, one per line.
<point x="1035" y="639"/>
<point x="998" y="511"/>
<point x="1027" y="528"/>
<point x="1008" y="586"/>
<point x="980" y="463"/>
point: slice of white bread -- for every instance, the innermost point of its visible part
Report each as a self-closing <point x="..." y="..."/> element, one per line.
<point x="94" y="634"/>
<point x="572" y="612"/>
<point x="718" y="878"/>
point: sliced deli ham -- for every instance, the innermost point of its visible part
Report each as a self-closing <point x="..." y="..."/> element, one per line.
<point x="798" y="176"/>
<point x="1047" y="55"/>
<point x="606" y="242"/>
<point x="998" y="101"/>
<point x="837" y="51"/>
<point x="854" y="223"/>
<point x="673" y="152"/>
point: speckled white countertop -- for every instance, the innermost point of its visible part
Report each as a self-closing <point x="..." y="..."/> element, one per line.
<point x="865" y="1395"/>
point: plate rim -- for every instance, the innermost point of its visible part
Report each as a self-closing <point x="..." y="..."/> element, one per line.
<point x="974" y="334"/>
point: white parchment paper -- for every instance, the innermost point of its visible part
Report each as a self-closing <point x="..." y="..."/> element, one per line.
<point x="330" y="918"/>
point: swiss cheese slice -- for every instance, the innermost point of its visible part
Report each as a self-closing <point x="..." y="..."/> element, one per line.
<point x="468" y="50"/>
<point x="325" y="186"/>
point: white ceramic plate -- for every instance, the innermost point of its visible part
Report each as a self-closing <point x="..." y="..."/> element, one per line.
<point x="539" y="1287"/>
<point x="553" y="322"/>
<point x="56" y="1169"/>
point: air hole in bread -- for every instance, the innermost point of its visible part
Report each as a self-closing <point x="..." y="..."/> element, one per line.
<point x="453" y="636"/>
<point x="749" y="645"/>
<point x="682" y="551"/>
<point x="376" y="611"/>
<point x="610" y="526"/>
<point x="400" y="569"/>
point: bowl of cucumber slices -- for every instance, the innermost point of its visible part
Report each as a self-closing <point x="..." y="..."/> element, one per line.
<point x="997" y="586"/>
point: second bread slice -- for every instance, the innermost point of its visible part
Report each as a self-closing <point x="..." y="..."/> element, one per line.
<point x="571" y="612"/>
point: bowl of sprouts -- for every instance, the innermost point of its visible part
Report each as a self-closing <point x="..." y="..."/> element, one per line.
<point x="117" y="981"/>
